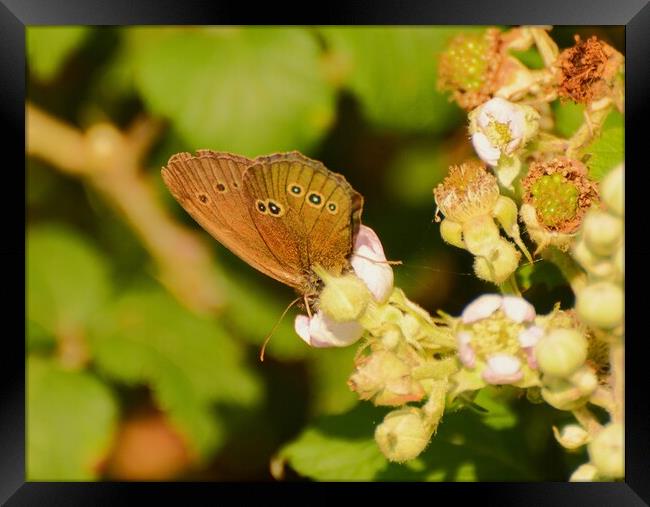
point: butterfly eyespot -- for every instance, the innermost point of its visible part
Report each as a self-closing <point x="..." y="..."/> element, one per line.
<point x="332" y="207"/>
<point x="295" y="189"/>
<point x="221" y="187"/>
<point x="203" y="198"/>
<point x="315" y="199"/>
<point x="274" y="208"/>
<point x="261" y="207"/>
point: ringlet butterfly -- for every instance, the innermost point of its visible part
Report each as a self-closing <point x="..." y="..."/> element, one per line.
<point x="282" y="214"/>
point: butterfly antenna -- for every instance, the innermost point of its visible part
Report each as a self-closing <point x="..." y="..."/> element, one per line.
<point x="268" y="338"/>
<point x="392" y="263"/>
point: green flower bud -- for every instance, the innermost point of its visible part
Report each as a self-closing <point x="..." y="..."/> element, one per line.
<point x="563" y="395"/>
<point x="561" y="352"/>
<point x="602" y="232"/>
<point x="499" y="264"/>
<point x="584" y="380"/>
<point x="601" y="267"/>
<point x="452" y="233"/>
<point x="403" y="434"/>
<point x="572" y="436"/>
<point x="344" y="298"/>
<point x="606" y="451"/>
<point x="480" y="235"/>
<point x="619" y="261"/>
<point x="601" y="305"/>
<point x="613" y="192"/>
<point x="584" y="473"/>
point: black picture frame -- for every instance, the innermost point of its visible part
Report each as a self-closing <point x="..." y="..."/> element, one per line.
<point x="16" y="14"/>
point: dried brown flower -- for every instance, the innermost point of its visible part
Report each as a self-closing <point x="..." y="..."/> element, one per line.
<point x="586" y="71"/>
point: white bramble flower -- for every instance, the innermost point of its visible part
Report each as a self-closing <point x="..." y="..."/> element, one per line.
<point x="498" y="333"/>
<point x="499" y="127"/>
<point x="340" y="326"/>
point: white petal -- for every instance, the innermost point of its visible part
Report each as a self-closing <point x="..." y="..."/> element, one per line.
<point x="502" y="369"/>
<point x="467" y="355"/>
<point x="326" y="332"/>
<point x="504" y="364"/>
<point x="530" y="336"/>
<point x="518" y="309"/>
<point x="369" y="264"/>
<point x="301" y="325"/>
<point x="481" y="308"/>
<point x="485" y="150"/>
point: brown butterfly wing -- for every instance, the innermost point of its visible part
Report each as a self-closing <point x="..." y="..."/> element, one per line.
<point x="209" y="186"/>
<point x="316" y="224"/>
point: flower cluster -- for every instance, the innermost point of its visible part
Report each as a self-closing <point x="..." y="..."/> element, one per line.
<point x="470" y="200"/>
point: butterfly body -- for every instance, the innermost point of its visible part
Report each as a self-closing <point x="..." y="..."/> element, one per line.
<point x="282" y="213"/>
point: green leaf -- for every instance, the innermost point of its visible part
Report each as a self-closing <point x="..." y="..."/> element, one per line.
<point x="529" y="57"/>
<point x="71" y="421"/>
<point x="48" y="47"/>
<point x="394" y="75"/>
<point x="568" y="117"/>
<point x="415" y="172"/>
<point x="146" y="337"/>
<point x="67" y="279"/>
<point x="607" y="150"/>
<point x="466" y="447"/>
<point x="246" y="90"/>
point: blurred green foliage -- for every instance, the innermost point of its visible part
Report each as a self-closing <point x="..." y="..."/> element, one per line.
<point x="362" y="100"/>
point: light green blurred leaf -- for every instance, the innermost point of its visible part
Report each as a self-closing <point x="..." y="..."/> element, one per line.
<point x="146" y="337"/>
<point x="415" y="172"/>
<point x="253" y="313"/>
<point x="394" y="74"/>
<point x="529" y="57"/>
<point x="568" y="117"/>
<point x="48" y="47"/>
<point x="607" y="150"/>
<point x="71" y="421"/>
<point x="467" y="447"/>
<point x="331" y="369"/>
<point x="67" y="279"/>
<point x="247" y="90"/>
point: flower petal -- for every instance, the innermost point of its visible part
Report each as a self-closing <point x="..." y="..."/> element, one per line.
<point x="486" y="151"/>
<point x="502" y="369"/>
<point x="369" y="264"/>
<point x="518" y="309"/>
<point x="530" y="336"/>
<point x="481" y="308"/>
<point x="322" y="331"/>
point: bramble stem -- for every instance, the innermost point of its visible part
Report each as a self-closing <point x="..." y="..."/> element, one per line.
<point x="109" y="160"/>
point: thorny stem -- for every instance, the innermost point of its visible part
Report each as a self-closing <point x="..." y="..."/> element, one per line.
<point x="109" y="160"/>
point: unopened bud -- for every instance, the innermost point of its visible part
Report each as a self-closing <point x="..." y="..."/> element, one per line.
<point x="572" y="436"/>
<point x="612" y="191"/>
<point x="602" y="232"/>
<point x="403" y="434"/>
<point x="601" y="305"/>
<point x="344" y="298"/>
<point x="606" y="451"/>
<point x="499" y="265"/>
<point x="480" y="235"/>
<point x="561" y="352"/>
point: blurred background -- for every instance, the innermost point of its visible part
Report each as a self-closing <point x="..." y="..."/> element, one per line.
<point x="144" y="332"/>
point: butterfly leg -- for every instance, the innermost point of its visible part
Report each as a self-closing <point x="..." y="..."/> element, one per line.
<point x="307" y="305"/>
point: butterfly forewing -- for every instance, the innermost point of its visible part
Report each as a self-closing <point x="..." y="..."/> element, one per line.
<point x="209" y="186"/>
<point x="311" y="214"/>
